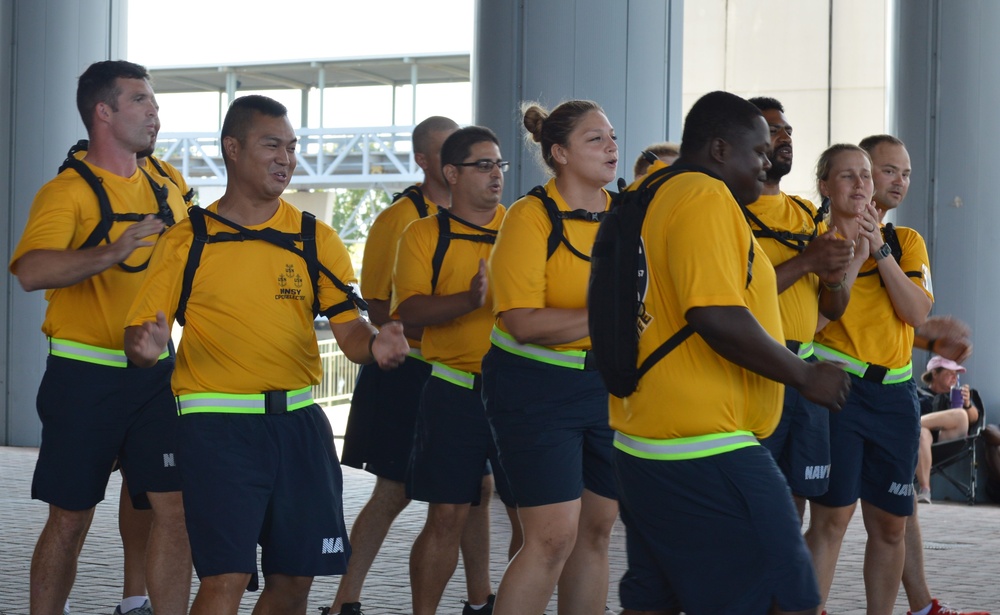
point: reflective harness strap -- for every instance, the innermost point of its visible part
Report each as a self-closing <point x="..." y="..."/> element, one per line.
<point x="466" y="380"/>
<point x="573" y="359"/>
<point x="866" y="371"/>
<point x="271" y="402"/>
<point x="804" y="351"/>
<point x="677" y="449"/>
<point x="68" y="349"/>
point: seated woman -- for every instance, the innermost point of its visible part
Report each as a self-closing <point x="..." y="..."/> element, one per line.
<point x="940" y="418"/>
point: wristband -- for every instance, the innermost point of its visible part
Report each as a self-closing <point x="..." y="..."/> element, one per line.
<point x="371" y="343"/>
<point x="834" y="288"/>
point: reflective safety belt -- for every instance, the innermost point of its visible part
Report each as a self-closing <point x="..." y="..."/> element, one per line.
<point x="676" y="449"/>
<point x="466" y="380"/>
<point x="863" y="370"/>
<point x="68" y="349"/>
<point x="804" y="351"/>
<point x="270" y="402"/>
<point x="573" y="359"/>
<point x="416" y="354"/>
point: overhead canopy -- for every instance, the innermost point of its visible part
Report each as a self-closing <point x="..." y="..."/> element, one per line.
<point x="342" y="72"/>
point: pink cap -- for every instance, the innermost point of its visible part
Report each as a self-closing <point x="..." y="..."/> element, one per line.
<point x="937" y="361"/>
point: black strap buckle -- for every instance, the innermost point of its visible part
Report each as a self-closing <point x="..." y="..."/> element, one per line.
<point x="875" y="373"/>
<point x="275" y="402"/>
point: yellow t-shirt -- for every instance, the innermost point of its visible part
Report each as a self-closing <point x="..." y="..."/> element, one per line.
<point x="520" y="275"/>
<point x="799" y="302"/>
<point x="63" y="215"/>
<point x="462" y="342"/>
<point x="870" y="330"/>
<point x="249" y="316"/>
<point x="697" y="244"/>
<point x="380" y="248"/>
<point x="170" y="172"/>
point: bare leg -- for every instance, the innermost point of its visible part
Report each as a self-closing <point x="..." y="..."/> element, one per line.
<point x="516" y="533"/>
<point x="824" y="538"/>
<point x="918" y="594"/>
<point x="884" y="554"/>
<point x="133" y="526"/>
<point x="53" y="565"/>
<point x="220" y="594"/>
<point x="367" y="535"/>
<point x="583" y="584"/>
<point x="168" y="557"/>
<point x="476" y="546"/>
<point x="283" y="594"/>
<point x="531" y="576"/>
<point x="924" y="459"/>
<point x="953" y="423"/>
<point x="435" y="555"/>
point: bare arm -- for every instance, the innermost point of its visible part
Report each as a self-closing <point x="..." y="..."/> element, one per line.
<point x="146" y="342"/>
<point x="946" y="336"/>
<point x="430" y="310"/>
<point x="546" y="326"/>
<point x="827" y="256"/>
<point x="363" y="344"/>
<point x="909" y="301"/>
<point x="735" y="334"/>
<point x="40" y="269"/>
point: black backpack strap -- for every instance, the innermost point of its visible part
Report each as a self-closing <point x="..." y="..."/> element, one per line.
<point x="556" y="216"/>
<point x="188" y="196"/>
<point x="665" y="348"/>
<point x="307" y="231"/>
<point x="445" y="236"/>
<point x="795" y="241"/>
<point x="200" y="231"/>
<point x="890" y="237"/>
<point x="416" y="196"/>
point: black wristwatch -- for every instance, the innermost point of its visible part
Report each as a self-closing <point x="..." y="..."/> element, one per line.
<point x="884" y="251"/>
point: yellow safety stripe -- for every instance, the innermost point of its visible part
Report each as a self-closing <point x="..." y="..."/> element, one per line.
<point x="235" y="403"/>
<point x="858" y="367"/>
<point x="573" y="359"/>
<point x="677" y="449"/>
<point x="68" y="349"/>
<point x="466" y="380"/>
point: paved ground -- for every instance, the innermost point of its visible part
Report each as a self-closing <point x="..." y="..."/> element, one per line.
<point x="961" y="548"/>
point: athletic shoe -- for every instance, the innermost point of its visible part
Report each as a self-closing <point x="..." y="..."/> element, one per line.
<point x="349" y="608"/>
<point x="144" y="609"/>
<point x="924" y="497"/>
<point x="943" y="609"/>
<point x="486" y="610"/>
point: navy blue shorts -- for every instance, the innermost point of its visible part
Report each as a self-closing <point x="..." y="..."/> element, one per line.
<point x="271" y="480"/>
<point x="800" y="444"/>
<point x="551" y="428"/>
<point x="712" y="535"/>
<point x="92" y="414"/>
<point x="453" y="444"/>
<point x="873" y="445"/>
<point x="379" y="435"/>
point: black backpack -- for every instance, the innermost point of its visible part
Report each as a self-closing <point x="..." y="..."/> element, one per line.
<point x="108" y="215"/>
<point x="445" y="235"/>
<point x="795" y="241"/>
<point x="416" y="196"/>
<point x="556" y="216"/>
<point x="616" y="313"/>
<point x="286" y="241"/>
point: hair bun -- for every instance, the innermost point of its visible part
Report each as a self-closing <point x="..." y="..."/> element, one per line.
<point x="534" y="120"/>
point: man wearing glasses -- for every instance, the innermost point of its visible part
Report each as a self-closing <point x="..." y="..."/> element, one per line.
<point x="439" y="283"/>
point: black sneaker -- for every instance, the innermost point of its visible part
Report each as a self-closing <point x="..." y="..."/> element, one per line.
<point x="486" y="610"/>
<point x="351" y="608"/>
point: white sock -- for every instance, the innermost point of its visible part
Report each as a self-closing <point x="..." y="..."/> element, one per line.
<point x="923" y="611"/>
<point x="132" y="602"/>
<point x="476" y="607"/>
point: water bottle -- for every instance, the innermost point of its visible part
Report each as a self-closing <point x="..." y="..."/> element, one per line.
<point x="956" y="395"/>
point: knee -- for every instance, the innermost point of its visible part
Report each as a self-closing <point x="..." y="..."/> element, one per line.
<point x="446" y="519"/>
<point x="829" y="523"/>
<point x="69" y="523"/>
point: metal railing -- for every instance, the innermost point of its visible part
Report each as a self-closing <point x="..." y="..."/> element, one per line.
<point x="339" y="375"/>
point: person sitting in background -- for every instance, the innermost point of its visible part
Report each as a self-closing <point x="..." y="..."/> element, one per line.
<point x="941" y="419"/>
<point x="667" y="152"/>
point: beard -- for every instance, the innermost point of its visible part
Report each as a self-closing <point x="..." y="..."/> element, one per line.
<point x="779" y="169"/>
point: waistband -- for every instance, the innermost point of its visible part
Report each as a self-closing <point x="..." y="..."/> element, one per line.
<point x="863" y="370"/>
<point x="109" y="357"/>
<point x="466" y="380"/>
<point x="803" y="349"/>
<point x="416" y="354"/>
<point x="677" y="449"/>
<point x="269" y="402"/>
<point x="573" y="359"/>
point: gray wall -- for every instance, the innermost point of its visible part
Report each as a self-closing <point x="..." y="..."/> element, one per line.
<point x="626" y="55"/>
<point x="46" y="44"/>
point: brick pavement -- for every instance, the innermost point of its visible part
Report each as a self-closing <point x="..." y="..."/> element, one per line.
<point x="961" y="546"/>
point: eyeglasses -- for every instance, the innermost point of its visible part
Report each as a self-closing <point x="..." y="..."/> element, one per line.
<point x="485" y="166"/>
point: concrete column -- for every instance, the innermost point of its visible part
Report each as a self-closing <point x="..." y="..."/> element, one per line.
<point x="46" y="44"/>
<point x="624" y="55"/>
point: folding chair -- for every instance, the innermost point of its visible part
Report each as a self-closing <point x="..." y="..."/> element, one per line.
<point x="944" y="455"/>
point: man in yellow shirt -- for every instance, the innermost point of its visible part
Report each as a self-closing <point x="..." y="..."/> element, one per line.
<point x="256" y="454"/>
<point x="710" y="524"/>
<point x="93" y="407"/>
<point x="440" y="283"/>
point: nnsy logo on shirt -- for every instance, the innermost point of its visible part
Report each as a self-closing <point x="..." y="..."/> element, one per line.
<point x="290" y="284"/>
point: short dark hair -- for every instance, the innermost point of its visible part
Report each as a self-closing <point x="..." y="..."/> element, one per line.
<point x="457" y="146"/>
<point x="241" y="112"/>
<point x="870" y="143"/>
<point x="98" y="84"/>
<point x="766" y="103"/>
<point x="657" y="149"/>
<point x="717" y="115"/>
<point x="422" y="131"/>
